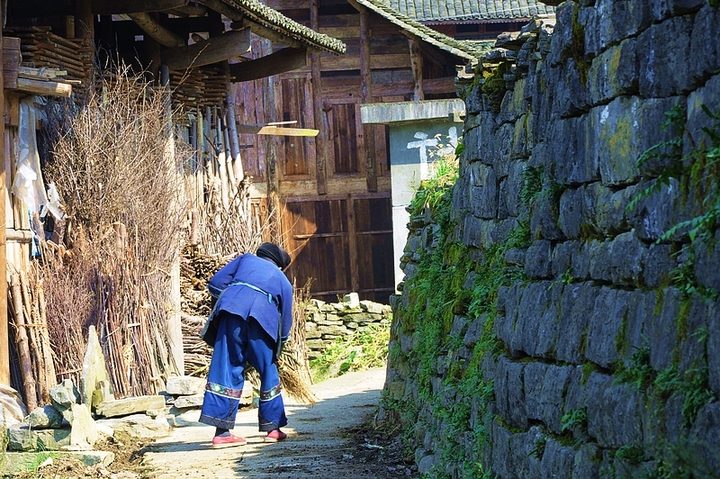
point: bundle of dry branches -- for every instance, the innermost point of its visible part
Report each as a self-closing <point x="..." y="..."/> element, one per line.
<point x="119" y="173"/>
<point x="29" y="321"/>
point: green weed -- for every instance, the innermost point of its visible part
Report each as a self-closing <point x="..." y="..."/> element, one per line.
<point x="698" y="169"/>
<point x="365" y="349"/>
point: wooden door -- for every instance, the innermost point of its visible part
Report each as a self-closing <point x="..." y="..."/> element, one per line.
<point x="342" y="245"/>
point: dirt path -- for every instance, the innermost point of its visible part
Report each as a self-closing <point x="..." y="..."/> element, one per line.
<point x="320" y="443"/>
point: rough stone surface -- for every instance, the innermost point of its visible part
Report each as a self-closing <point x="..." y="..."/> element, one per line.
<point x="130" y="405"/>
<point x="184" y="385"/>
<point x="45" y="417"/>
<point x="22" y="438"/>
<point x="94" y="370"/>
<point x="605" y="341"/>
<point x="139" y="425"/>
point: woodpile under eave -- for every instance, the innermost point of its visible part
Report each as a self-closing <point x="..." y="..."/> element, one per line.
<point x="29" y="53"/>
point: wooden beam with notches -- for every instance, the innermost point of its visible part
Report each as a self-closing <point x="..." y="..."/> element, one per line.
<point x="281" y="61"/>
<point x="205" y="52"/>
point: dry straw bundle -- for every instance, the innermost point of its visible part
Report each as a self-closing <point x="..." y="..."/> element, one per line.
<point x="118" y="172"/>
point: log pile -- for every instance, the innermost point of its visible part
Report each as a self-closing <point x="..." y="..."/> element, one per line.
<point x="199" y="87"/>
<point x="42" y="49"/>
<point x="195" y="271"/>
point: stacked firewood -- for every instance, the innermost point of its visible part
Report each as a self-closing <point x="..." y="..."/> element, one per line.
<point x="41" y="48"/>
<point x="199" y="87"/>
<point x="195" y="271"/>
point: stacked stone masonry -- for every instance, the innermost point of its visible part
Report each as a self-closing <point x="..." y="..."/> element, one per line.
<point x="326" y="323"/>
<point x="587" y="93"/>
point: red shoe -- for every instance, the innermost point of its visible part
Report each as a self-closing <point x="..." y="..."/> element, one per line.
<point x="228" y="441"/>
<point x="275" y="436"/>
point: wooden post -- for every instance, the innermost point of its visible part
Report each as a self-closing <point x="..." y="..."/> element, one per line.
<point x="271" y="153"/>
<point x="4" y="336"/>
<point x="322" y="141"/>
<point x="416" y="62"/>
<point x="273" y="181"/>
<point x="366" y="97"/>
<point x="352" y="245"/>
<point x="174" y="323"/>
<point x="85" y="25"/>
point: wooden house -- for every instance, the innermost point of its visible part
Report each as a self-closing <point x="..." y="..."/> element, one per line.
<point x="194" y="47"/>
<point x="335" y="188"/>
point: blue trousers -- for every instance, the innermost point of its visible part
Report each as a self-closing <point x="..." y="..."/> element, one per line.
<point x="239" y="342"/>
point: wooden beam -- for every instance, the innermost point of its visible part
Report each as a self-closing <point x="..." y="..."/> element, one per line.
<point x="190" y="11"/>
<point x="156" y="31"/>
<point x="278" y="62"/>
<point x="115" y="7"/>
<point x="435" y="86"/>
<point x="222" y="8"/>
<point x="347" y="62"/>
<point x="205" y="52"/>
<point x="4" y="336"/>
<point x="48" y="88"/>
<point x="276" y="130"/>
<point x="271" y="35"/>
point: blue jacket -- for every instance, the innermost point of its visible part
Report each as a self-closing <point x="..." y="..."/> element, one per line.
<point x="249" y="286"/>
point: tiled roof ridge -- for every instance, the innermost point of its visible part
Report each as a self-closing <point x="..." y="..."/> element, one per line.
<point x="275" y="20"/>
<point x="464" y="49"/>
<point x="493" y="9"/>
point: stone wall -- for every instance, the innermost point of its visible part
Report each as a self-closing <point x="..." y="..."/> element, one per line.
<point x="608" y="350"/>
<point x="325" y="323"/>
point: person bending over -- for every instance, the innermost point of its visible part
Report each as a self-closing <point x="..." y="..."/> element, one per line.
<point x="249" y="323"/>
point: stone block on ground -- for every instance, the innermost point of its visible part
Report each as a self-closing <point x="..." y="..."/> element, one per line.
<point x="25" y="439"/>
<point x="12" y="408"/>
<point x="185" y="385"/>
<point x="185" y="402"/>
<point x="130" y="405"/>
<point x="45" y="417"/>
<point x="139" y="425"/>
<point x="63" y="396"/>
<point x="83" y="431"/>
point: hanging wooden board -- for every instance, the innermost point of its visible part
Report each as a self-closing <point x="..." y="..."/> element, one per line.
<point x="276" y="130"/>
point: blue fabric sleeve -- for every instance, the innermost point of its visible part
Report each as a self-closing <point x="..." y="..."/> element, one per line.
<point x="220" y="281"/>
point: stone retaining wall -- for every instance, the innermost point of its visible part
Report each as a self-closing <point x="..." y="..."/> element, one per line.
<point x="325" y="323"/>
<point x="604" y="291"/>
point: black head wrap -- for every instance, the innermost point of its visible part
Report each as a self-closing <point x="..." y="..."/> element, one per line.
<point x="275" y="254"/>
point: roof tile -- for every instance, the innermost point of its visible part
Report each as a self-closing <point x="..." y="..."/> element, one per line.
<point x="464" y="10"/>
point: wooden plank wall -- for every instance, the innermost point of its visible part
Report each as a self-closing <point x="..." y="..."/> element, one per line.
<point x="342" y="244"/>
<point x="337" y="218"/>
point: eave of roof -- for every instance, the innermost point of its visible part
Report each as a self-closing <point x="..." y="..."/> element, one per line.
<point x="461" y="48"/>
<point x="274" y="20"/>
<point x="463" y="10"/>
